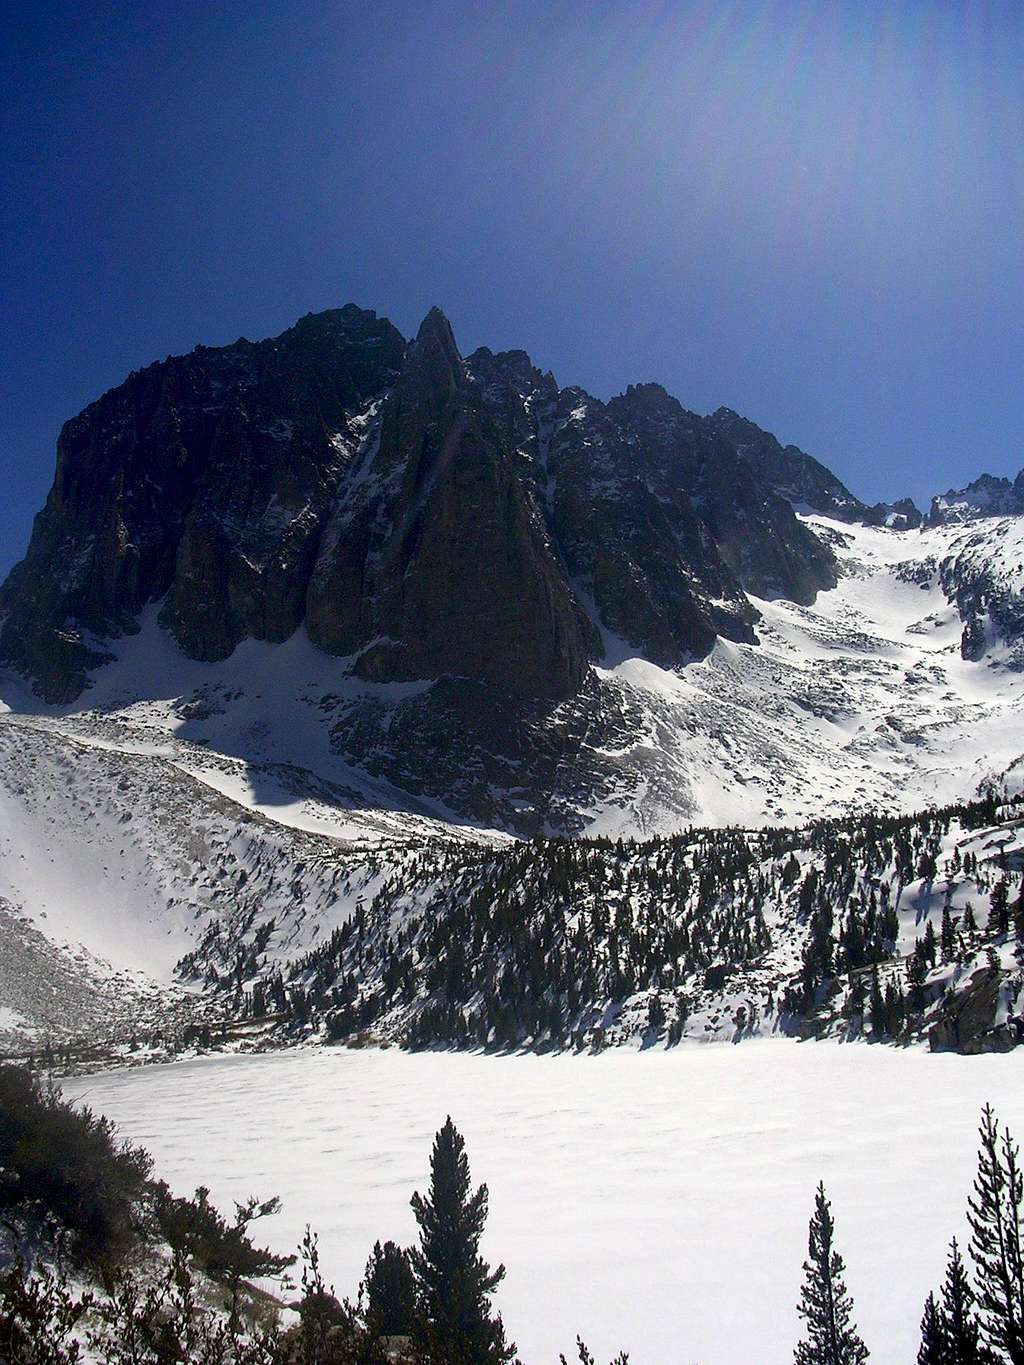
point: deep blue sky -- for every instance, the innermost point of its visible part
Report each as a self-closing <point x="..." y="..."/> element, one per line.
<point x="809" y="211"/>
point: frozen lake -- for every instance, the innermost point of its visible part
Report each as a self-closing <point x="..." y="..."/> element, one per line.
<point x="657" y="1202"/>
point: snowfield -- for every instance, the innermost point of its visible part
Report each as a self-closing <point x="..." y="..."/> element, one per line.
<point x="862" y="699"/>
<point x="656" y="1202"/>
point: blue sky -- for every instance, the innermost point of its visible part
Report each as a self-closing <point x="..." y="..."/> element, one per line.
<point x="811" y="212"/>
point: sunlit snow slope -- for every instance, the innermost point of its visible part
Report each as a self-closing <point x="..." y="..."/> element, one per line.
<point x="114" y="862"/>
<point x="862" y="700"/>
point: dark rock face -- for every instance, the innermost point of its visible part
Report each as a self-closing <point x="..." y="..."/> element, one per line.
<point x="770" y="552"/>
<point x="803" y="481"/>
<point x="661" y="527"/>
<point x="980" y="575"/>
<point x="621" y="521"/>
<point x="435" y="562"/>
<point x="634" y="538"/>
<point x="989" y="602"/>
<point x="966" y="1022"/>
<point x="333" y="476"/>
<point x="203" y="479"/>
<point x="799" y="478"/>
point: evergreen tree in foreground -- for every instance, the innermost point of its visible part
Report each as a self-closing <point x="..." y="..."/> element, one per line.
<point x="389" y="1288"/>
<point x="932" y="1350"/>
<point x="824" y="1304"/>
<point x="960" y="1321"/>
<point x="951" y="1334"/>
<point x="994" y="1213"/>
<point x="454" y="1325"/>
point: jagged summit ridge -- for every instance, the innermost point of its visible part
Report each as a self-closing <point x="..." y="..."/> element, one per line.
<point x="987" y="496"/>
<point x="422" y="516"/>
<point x="804" y="481"/>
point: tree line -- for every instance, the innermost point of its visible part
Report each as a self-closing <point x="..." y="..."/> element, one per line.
<point x="561" y="943"/>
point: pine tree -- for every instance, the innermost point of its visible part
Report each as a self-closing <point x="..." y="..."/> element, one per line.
<point x="879" y="1014"/>
<point x="454" y="1325"/>
<point x="997" y="1243"/>
<point x="947" y="937"/>
<point x="389" y="1288"/>
<point x="960" y="1323"/>
<point x="999" y="908"/>
<point x="932" y="1350"/>
<point x="824" y="1304"/>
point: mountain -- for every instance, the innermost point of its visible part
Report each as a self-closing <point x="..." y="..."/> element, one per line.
<point x="469" y="530"/>
<point x="420" y="518"/>
<point x="313" y="631"/>
<point x="985" y="497"/>
<point x="516" y="605"/>
<point x="804" y="481"/>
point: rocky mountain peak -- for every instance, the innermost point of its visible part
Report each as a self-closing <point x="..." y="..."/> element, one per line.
<point x="986" y="496"/>
<point x="506" y="375"/>
<point x="420" y="515"/>
<point x="651" y="403"/>
<point x="794" y="475"/>
<point x="432" y="362"/>
<point x="464" y="527"/>
<point x="435" y="336"/>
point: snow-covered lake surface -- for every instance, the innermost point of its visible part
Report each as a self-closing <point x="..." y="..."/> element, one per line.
<point x="657" y="1202"/>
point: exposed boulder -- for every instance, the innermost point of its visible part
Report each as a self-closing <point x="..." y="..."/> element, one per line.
<point x="965" y="1021"/>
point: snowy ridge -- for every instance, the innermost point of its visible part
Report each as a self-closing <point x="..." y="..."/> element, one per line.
<point x="985" y="497"/>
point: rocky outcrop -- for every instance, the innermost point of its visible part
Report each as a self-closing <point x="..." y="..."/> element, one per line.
<point x="627" y="533"/>
<point x="985" y="497"/>
<point x="203" y="479"/>
<point x="435" y="562"/>
<point x="903" y="515"/>
<point x="965" y="1022"/>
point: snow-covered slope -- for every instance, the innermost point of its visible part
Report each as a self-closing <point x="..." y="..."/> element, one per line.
<point x="864" y="699"/>
<point x="115" y="861"/>
<point x="179" y="799"/>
